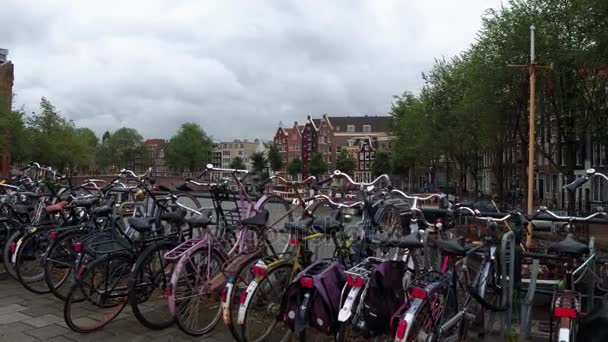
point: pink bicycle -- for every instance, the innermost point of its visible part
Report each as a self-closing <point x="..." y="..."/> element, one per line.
<point x="202" y="264"/>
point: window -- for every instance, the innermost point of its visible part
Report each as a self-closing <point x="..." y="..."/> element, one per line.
<point x="563" y="155"/>
<point x="240" y="153"/>
<point x="579" y="156"/>
<point x="350" y="128"/>
<point x="227" y="153"/>
<point x="367" y="128"/>
<point x="337" y="128"/>
<point x="243" y="145"/>
<point x="596" y="155"/>
<point x="603" y="155"/>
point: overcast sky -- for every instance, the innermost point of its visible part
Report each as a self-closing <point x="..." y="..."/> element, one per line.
<point x="235" y="67"/>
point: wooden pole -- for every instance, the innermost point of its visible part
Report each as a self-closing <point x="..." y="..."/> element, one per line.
<point x="531" y="136"/>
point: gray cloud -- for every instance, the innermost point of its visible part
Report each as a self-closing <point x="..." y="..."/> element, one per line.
<point x="234" y="67"/>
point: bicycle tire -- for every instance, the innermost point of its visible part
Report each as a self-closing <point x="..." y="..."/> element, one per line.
<point x="245" y="328"/>
<point x="162" y="283"/>
<point x="274" y="204"/>
<point x="7" y="254"/>
<point x="180" y="284"/>
<point x="483" y="299"/>
<point x="35" y="244"/>
<point x="63" y="244"/>
<point x="105" y="268"/>
<point x="240" y="283"/>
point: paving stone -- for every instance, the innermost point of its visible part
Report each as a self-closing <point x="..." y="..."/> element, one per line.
<point x="12" y="300"/>
<point x="13" y="317"/>
<point x="15" y="327"/>
<point x="60" y="339"/>
<point x="48" y="332"/>
<point x="16" y="337"/>
<point x="43" y="321"/>
<point x="11" y="308"/>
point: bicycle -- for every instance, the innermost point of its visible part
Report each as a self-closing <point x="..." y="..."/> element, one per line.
<point x="438" y="303"/>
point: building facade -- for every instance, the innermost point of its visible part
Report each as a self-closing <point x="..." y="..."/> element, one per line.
<point x="361" y="136"/>
<point x="224" y="153"/>
<point x="6" y="95"/>
<point x="156" y="156"/>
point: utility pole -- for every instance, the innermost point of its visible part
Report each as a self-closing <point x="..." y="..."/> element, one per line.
<point x="531" y="129"/>
<point x="531" y="134"/>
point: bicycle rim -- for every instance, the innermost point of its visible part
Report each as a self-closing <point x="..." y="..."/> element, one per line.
<point x="147" y="287"/>
<point x="239" y="286"/>
<point x="280" y="213"/>
<point x="29" y="264"/>
<point x="260" y="323"/>
<point x="59" y="264"/>
<point x="99" y="295"/>
<point x="197" y="310"/>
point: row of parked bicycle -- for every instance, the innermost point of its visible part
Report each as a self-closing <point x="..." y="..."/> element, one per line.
<point x="276" y="271"/>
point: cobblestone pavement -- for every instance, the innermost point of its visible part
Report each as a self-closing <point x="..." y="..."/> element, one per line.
<point x="25" y="317"/>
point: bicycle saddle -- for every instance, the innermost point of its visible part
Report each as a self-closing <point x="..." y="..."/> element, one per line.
<point x="569" y="246"/>
<point x="299" y="226"/>
<point x="258" y="220"/>
<point x="105" y="209"/>
<point x="327" y="224"/>
<point x="409" y="241"/>
<point x="199" y="221"/>
<point x="141" y="224"/>
<point x="174" y="216"/>
<point x="457" y="247"/>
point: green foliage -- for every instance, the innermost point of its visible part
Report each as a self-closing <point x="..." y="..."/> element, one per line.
<point x="274" y="157"/>
<point x="295" y="167"/>
<point x="317" y="165"/>
<point x="56" y="141"/>
<point x="345" y="162"/>
<point x="381" y="163"/>
<point x="123" y="149"/>
<point x="237" y="163"/>
<point x="189" y="148"/>
<point x="258" y="163"/>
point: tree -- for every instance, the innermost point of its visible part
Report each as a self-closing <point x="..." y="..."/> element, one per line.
<point x="237" y="163"/>
<point x="258" y="163"/>
<point x="345" y="162"/>
<point x="381" y="164"/>
<point x="106" y="136"/>
<point x="295" y="168"/>
<point x="317" y="165"/>
<point x="189" y="148"/>
<point x="123" y="149"/>
<point x="274" y="157"/>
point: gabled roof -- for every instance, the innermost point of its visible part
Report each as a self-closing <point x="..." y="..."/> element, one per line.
<point x="377" y="123"/>
<point x="154" y="141"/>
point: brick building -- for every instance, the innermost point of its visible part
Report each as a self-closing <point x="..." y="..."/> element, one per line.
<point x="289" y="143"/>
<point x="156" y="156"/>
<point x="6" y="92"/>
<point x="360" y="135"/>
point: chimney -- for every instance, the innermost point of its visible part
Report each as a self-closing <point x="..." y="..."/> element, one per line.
<point x="3" y="55"/>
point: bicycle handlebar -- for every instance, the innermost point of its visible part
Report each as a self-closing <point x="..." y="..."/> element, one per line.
<point x="338" y="173"/>
<point x="577" y="183"/>
<point x="211" y="168"/>
<point x="418" y="198"/>
<point x="125" y="172"/>
<point x="544" y="210"/>
<point x="331" y="202"/>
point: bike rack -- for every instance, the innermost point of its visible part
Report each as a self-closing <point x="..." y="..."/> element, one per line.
<point x="526" y="306"/>
<point x="508" y="272"/>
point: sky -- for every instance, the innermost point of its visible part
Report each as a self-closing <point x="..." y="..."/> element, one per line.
<point x="237" y="68"/>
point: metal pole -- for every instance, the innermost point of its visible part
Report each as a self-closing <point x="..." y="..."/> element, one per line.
<point x="531" y="135"/>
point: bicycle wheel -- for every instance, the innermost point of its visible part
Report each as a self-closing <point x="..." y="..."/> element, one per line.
<point x="487" y="292"/>
<point x="100" y="293"/>
<point x="29" y="261"/>
<point x="260" y="318"/>
<point x="59" y="263"/>
<point x="7" y="253"/>
<point x="280" y="213"/>
<point x="241" y="281"/>
<point x="148" y="283"/>
<point x="196" y="307"/>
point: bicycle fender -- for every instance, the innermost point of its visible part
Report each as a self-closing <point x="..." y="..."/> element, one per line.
<point x="346" y="310"/>
<point x="249" y="293"/>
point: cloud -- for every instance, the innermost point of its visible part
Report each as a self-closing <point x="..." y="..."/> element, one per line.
<point x="235" y="67"/>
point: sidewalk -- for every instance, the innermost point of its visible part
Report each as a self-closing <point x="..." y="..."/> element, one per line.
<point x="26" y="317"/>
